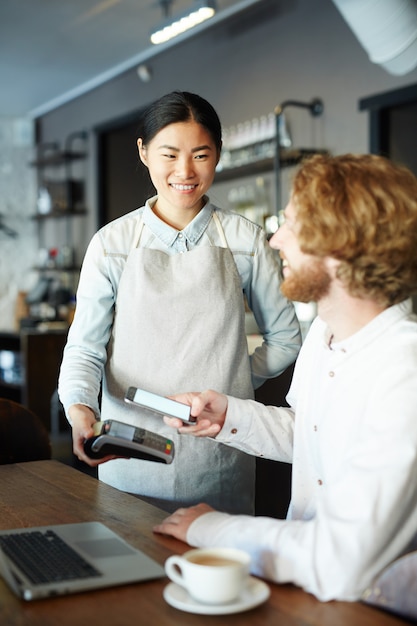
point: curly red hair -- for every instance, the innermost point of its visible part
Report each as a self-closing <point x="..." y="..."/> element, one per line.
<point x="361" y="210"/>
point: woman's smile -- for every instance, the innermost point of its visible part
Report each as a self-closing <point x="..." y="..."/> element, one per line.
<point x="181" y="187"/>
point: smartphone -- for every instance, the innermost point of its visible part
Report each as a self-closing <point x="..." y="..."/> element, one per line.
<point x="159" y="404"/>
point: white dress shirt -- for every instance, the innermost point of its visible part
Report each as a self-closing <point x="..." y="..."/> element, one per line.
<point x="351" y="435"/>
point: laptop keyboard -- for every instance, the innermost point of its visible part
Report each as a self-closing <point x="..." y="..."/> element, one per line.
<point x="45" y="558"/>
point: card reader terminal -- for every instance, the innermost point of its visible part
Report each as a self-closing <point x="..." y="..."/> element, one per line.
<point x="125" y="440"/>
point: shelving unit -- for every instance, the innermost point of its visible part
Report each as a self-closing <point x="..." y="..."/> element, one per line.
<point x="56" y="213"/>
<point x="262" y="166"/>
<point x="56" y="175"/>
<point x="61" y="183"/>
<point x="66" y="261"/>
<point x="61" y="188"/>
<point x="261" y="162"/>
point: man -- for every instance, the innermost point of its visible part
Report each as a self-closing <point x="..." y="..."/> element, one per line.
<point x="349" y="242"/>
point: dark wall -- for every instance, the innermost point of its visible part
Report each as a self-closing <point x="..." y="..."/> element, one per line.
<point x="123" y="181"/>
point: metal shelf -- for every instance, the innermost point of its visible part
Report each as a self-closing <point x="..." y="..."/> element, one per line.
<point x="57" y="159"/>
<point x="288" y="158"/>
<point x="58" y="213"/>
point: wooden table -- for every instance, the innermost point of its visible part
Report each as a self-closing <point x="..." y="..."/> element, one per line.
<point x="48" y="492"/>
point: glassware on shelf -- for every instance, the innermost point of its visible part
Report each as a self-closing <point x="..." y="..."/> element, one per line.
<point x="252" y="200"/>
<point x="248" y="142"/>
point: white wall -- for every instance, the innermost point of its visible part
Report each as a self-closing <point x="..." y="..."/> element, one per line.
<point x="17" y="204"/>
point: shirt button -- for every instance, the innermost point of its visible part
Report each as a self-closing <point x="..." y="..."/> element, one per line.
<point x="319" y="482"/>
<point x="234" y="431"/>
<point x="315" y="428"/>
<point x="179" y="235"/>
<point x="331" y="374"/>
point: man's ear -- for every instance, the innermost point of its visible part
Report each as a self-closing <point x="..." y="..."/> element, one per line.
<point x="332" y="265"/>
<point x="142" y="151"/>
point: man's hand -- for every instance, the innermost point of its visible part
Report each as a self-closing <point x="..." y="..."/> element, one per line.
<point x="209" y="407"/>
<point x="178" y="523"/>
<point x="82" y="420"/>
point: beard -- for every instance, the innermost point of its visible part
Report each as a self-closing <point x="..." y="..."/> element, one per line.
<point x="310" y="284"/>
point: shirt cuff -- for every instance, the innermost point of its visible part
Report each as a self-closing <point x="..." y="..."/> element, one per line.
<point x="206" y="530"/>
<point x="235" y="427"/>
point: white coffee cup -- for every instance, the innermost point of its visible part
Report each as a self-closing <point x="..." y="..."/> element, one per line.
<point x="210" y="575"/>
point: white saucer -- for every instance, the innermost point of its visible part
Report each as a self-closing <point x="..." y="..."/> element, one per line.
<point x="255" y="593"/>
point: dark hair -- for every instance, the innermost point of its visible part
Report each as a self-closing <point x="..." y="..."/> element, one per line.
<point x="179" y="106"/>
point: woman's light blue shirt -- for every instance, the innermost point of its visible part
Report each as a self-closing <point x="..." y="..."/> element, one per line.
<point x="257" y="264"/>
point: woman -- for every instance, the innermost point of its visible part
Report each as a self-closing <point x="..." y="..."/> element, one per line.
<point x="160" y="306"/>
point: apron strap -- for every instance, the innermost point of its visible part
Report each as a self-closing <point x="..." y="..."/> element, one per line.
<point x="139" y="229"/>
<point x="220" y="230"/>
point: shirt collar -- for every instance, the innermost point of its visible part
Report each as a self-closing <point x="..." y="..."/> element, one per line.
<point x="167" y="234"/>
<point x="375" y="327"/>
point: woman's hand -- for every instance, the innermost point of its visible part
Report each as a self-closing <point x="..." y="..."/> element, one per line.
<point x="209" y="408"/>
<point x="82" y="420"/>
<point x="178" y="523"/>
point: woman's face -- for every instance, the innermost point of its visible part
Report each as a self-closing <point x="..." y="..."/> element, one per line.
<point x="181" y="160"/>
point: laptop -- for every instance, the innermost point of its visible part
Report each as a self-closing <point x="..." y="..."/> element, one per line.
<point x="44" y="561"/>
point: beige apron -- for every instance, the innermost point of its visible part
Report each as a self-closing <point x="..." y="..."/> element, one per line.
<point x="179" y="326"/>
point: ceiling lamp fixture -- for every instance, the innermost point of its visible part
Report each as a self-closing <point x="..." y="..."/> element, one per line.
<point x="175" y="25"/>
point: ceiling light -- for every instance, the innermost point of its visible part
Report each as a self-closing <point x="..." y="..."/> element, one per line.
<point x="199" y="12"/>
